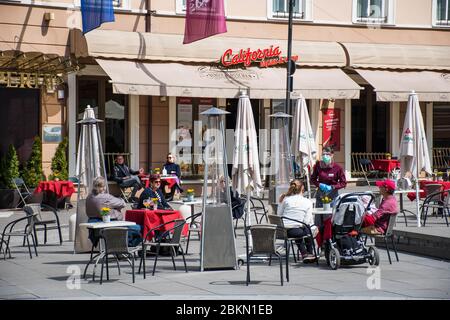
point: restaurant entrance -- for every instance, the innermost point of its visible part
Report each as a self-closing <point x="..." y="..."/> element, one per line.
<point x="20" y="120"/>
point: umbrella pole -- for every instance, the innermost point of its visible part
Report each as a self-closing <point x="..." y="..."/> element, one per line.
<point x="308" y="183"/>
<point x="249" y="219"/>
<point x="417" y="177"/>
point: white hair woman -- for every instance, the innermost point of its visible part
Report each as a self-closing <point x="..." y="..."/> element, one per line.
<point x="99" y="198"/>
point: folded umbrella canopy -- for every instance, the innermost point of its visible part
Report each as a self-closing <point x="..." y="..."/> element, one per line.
<point x="90" y="164"/>
<point x="414" y="156"/>
<point x="245" y="174"/>
<point x="303" y="142"/>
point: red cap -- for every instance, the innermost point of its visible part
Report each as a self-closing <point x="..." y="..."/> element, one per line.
<point x="388" y="184"/>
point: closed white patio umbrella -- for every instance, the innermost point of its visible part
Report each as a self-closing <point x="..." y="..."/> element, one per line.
<point x="90" y="164"/>
<point x="303" y="142"/>
<point x="245" y="175"/>
<point x="414" y="156"/>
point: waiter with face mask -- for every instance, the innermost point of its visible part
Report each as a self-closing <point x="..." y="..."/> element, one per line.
<point x="328" y="177"/>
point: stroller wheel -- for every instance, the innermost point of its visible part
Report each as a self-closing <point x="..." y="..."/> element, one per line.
<point x="334" y="258"/>
<point x="374" y="258"/>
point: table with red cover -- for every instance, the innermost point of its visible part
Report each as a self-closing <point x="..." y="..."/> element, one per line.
<point x="61" y="188"/>
<point x="150" y="219"/>
<point x="423" y="183"/>
<point x="386" y="165"/>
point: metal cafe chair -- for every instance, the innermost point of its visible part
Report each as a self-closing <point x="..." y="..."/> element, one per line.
<point x="368" y="169"/>
<point x="47" y="224"/>
<point x="22" y="189"/>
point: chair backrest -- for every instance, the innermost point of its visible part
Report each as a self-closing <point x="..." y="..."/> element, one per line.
<point x="116" y="240"/>
<point x="391" y="225"/>
<point x="366" y="164"/>
<point x="19" y="184"/>
<point x="447" y="199"/>
<point x="432" y="188"/>
<point x="33" y="212"/>
<point x="278" y="221"/>
<point x="177" y="230"/>
<point x="264" y="238"/>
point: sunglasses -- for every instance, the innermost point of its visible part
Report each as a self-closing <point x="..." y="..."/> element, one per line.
<point x="157" y="181"/>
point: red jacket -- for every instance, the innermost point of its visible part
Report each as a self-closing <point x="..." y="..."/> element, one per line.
<point x="333" y="175"/>
<point x="387" y="208"/>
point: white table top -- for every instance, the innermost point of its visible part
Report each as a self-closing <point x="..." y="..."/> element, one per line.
<point x="321" y="211"/>
<point x="101" y="225"/>
<point x="190" y="203"/>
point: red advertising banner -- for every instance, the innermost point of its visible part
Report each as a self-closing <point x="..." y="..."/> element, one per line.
<point x="331" y="129"/>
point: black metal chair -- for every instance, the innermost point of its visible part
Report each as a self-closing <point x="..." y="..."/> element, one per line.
<point x="264" y="243"/>
<point x="194" y="226"/>
<point x="48" y="224"/>
<point x="440" y="201"/>
<point x="368" y="169"/>
<point x="170" y="239"/>
<point x="239" y="211"/>
<point x="259" y="209"/>
<point x="388" y="235"/>
<point x="116" y="244"/>
<point x="22" y="189"/>
<point x="9" y="232"/>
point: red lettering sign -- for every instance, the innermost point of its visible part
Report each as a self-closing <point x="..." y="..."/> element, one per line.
<point x="266" y="57"/>
<point x="331" y="129"/>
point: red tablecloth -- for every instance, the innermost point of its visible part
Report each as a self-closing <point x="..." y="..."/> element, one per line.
<point x="422" y="184"/>
<point x="385" y="164"/>
<point x="150" y="219"/>
<point x="61" y="189"/>
<point x="170" y="181"/>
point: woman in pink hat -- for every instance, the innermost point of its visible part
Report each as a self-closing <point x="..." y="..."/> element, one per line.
<point x="377" y="222"/>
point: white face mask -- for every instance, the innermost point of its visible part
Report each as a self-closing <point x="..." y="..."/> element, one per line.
<point x="326" y="158"/>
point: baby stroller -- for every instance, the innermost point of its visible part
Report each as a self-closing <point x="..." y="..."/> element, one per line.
<point x="346" y="245"/>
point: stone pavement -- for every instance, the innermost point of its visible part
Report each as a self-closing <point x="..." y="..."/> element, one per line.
<point x="49" y="275"/>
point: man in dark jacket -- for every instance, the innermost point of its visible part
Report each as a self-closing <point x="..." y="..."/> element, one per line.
<point x="154" y="192"/>
<point x="127" y="177"/>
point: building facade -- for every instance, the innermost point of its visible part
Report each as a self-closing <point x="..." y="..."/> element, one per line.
<point x="357" y="62"/>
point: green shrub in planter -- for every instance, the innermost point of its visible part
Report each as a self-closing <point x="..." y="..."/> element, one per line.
<point x="33" y="170"/>
<point x="59" y="166"/>
<point x="9" y="168"/>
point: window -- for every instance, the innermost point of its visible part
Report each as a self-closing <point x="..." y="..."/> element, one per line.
<point x="180" y="6"/>
<point x="279" y="9"/>
<point x="442" y="13"/>
<point x="373" y="11"/>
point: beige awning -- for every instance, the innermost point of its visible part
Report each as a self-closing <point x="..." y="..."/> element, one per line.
<point x="396" y="85"/>
<point x="397" y="56"/>
<point x="175" y="79"/>
<point x="169" y="47"/>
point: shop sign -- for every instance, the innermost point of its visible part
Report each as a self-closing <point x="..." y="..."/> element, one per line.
<point x="31" y="80"/>
<point x="331" y="129"/>
<point x="265" y="57"/>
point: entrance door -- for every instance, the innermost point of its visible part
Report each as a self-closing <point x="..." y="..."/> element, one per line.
<point x="19" y="123"/>
<point x="232" y="107"/>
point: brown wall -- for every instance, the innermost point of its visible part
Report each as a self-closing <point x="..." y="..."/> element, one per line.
<point x="53" y="111"/>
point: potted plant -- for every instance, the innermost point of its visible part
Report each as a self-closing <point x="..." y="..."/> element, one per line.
<point x="33" y="173"/>
<point x="105" y="213"/>
<point x="190" y="194"/>
<point x="155" y="204"/>
<point x="60" y="168"/>
<point x="157" y="171"/>
<point x="440" y="176"/>
<point x="326" y="200"/>
<point x="388" y="156"/>
<point x="9" y="169"/>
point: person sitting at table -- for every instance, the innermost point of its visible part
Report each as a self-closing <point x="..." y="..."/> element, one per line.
<point x="295" y="206"/>
<point x="154" y="191"/>
<point x="127" y="177"/>
<point x="172" y="168"/>
<point x="377" y="222"/>
<point x="98" y="198"/>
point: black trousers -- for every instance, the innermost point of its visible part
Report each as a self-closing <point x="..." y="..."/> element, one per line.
<point x="304" y="245"/>
<point x="134" y="182"/>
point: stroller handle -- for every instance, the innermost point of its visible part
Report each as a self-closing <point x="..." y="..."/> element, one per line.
<point x="358" y="194"/>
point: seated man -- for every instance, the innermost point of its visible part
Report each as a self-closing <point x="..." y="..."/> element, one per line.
<point x="127" y="177"/>
<point x="377" y="222"/>
<point x="98" y="199"/>
<point x="153" y="191"/>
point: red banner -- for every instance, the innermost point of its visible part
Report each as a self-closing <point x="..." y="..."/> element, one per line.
<point x="331" y="129"/>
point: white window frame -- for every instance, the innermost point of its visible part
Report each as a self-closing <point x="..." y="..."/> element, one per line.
<point x="180" y="8"/>
<point x="305" y="4"/>
<point x="388" y="8"/>
<point x="124" y="4"/>
<point x="435" y="21"/>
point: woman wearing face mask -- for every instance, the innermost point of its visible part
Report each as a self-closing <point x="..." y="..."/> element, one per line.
<point x="328" y="177"/>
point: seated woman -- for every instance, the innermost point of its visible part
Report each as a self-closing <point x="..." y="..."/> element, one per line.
<point x="377" y="222"/>
<point x="98" y="199"/>
<point x="295" y="206"/>
<point x="154" y="191"/>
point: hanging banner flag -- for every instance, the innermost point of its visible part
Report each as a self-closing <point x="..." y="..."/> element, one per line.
<point x="331" y="129"/>
<point x="204" y="18"/>
<point x="96" y="12"/>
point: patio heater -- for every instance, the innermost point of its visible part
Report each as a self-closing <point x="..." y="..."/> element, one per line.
<point x="281" y="158"/>
<point x="217" y="248"/>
